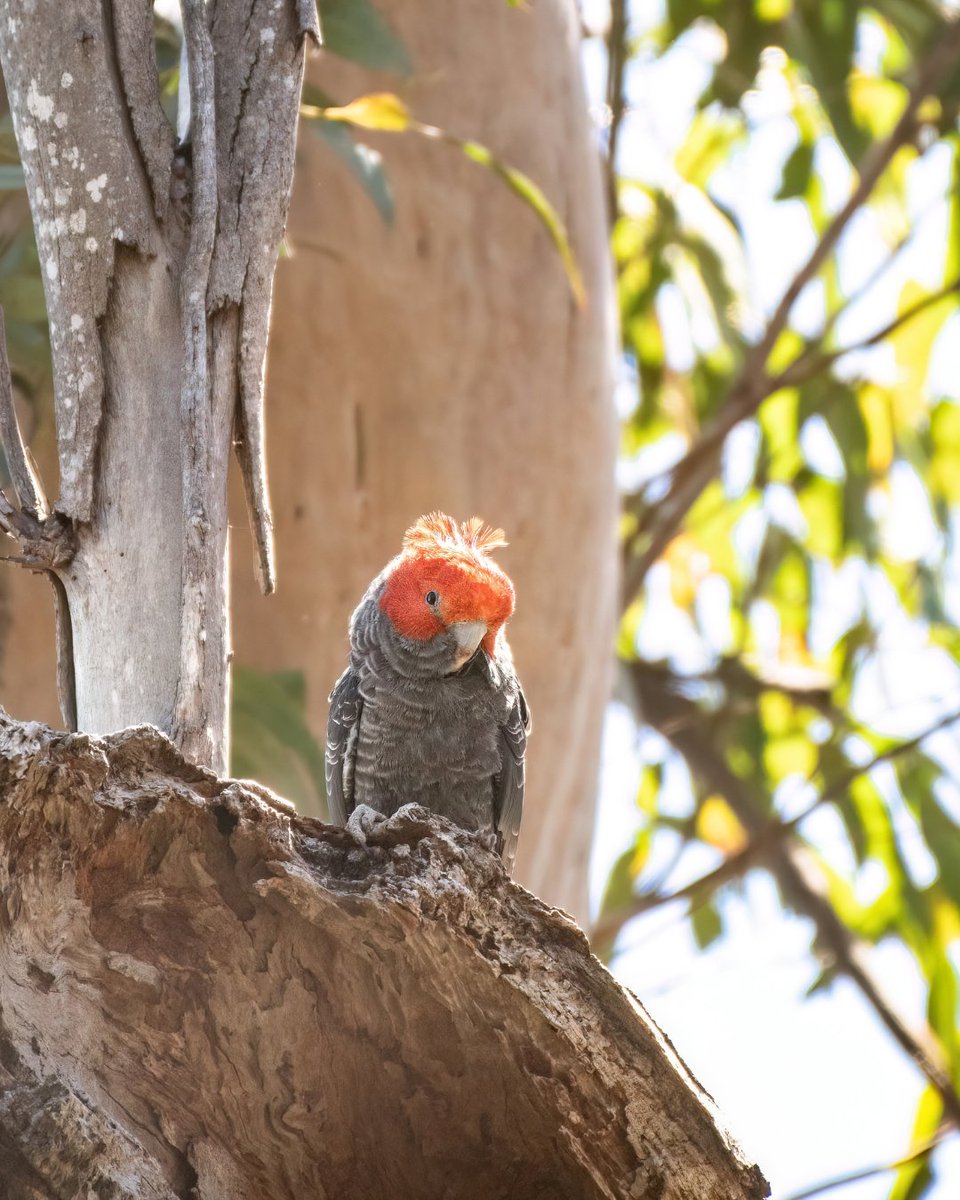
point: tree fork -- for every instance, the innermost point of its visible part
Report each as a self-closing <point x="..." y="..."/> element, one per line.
<point x="158" y="263"/>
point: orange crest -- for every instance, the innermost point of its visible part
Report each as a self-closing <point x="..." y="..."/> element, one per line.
<point x="449" y="563"/>
<point x="436" y="533"/>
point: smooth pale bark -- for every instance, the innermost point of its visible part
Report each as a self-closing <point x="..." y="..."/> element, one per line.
<point x="442" y="363"/>
<point x="203" y="995"/>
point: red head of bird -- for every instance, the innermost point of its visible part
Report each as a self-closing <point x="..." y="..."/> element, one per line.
<point x="444" y="580"/>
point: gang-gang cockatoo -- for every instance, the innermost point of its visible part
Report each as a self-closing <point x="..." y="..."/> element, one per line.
<point x="430" y="710"/>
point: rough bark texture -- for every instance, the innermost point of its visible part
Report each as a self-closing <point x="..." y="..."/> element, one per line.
<point x="200" y="991"/>
<point x="441" y="363"/>
<point x="158" y="327"/>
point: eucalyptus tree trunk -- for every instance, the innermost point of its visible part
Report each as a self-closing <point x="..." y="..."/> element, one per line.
<point x="441" y="362"/>
<point x="157" y="261"/>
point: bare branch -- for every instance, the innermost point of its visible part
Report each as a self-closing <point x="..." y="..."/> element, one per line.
<point x="680" y="720"/>
<point x="131" y="24"/>
<point x="919" y="1152"/>
<point x="616" y="103"/>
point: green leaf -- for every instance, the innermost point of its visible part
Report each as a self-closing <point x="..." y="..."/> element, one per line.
<point x="272" y="742"/>
<point x="796" y="172"/>
<point x="706" y="923"/>
<point x="356" y="30"/>
<point x="387" y="113"/>
<point x="915" y="1176"/>
<point x="363" y="162"/>
<point x="524" y="187"/>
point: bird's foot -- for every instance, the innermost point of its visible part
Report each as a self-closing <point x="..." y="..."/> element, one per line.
<point x="362" y="821"/>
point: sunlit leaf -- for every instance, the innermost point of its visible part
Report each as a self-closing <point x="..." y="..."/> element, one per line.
<point x="386" y="112"/>
<point x="796" y="172"/>
<point x="913" y="341"/>
<point x="706" y="924"/>
<point x="717" y="825"/>
<point x="379" y="111"/>
<point x="912" y="1180"/>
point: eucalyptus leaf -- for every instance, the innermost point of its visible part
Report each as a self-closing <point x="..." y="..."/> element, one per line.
<point x="358" y="31"/>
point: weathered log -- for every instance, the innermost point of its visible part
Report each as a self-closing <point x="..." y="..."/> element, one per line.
<point x="203" y="995"/>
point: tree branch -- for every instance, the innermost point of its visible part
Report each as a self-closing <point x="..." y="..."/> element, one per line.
<point x="617" y="55"/>
<point x="195" y="686"/>
<point x="204" y="976"/>
<point x="681" y="721"/>
<point x="659" y="523"/>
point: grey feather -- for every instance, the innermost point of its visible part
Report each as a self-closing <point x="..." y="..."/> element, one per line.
<point x="508" y="786"/>
<point x="343" y="727"/>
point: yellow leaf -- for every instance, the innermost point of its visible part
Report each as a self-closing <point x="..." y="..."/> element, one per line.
<point x="875" y="407"/>
<point x="379" y="110"/>
<point x="793" y="754"/>
<point x="717" y="825"/>
<point x="912" y="345"/>
<point x="688" y="568"/>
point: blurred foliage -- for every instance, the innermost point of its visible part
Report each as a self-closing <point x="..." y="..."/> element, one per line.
<point x="270" y="739"/>
<point x="791" y="514"/>
<point x="385" y="112"/>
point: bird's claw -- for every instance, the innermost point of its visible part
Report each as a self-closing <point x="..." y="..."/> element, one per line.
<point x="362" y="821"/>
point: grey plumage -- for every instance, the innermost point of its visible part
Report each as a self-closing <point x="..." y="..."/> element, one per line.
<point x="406" y="727"/>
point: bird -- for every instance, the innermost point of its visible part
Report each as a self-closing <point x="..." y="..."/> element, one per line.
<point x="430" y="710"/>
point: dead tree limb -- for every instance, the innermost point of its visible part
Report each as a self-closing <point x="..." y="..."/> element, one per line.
<point x="226" y="998"/>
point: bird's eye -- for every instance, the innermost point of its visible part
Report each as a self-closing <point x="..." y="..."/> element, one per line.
<point x="431" y="598"/>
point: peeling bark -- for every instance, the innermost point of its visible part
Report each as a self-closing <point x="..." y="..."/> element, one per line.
<point x="202" y="994"/>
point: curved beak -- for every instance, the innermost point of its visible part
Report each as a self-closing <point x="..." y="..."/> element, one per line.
<point x="469" y="635"/>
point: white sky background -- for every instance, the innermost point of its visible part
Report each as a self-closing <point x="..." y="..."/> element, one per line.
<point x="812" y="1088"/>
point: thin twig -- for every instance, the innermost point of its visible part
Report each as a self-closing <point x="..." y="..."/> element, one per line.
<point x="919" y="1152"/>
<point x="616" y="101"/>
<point x="809" y="364"/>
<point x="753" y="385"/>
<point x="874" y="277"/>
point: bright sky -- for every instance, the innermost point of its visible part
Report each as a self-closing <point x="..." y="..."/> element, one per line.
<point x="812" y="1088"/>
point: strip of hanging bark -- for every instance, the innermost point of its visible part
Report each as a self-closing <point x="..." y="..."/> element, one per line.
<point x="200" y="668"/>
<point x="263" y="1006"/>
<point x="255" y="174"/>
